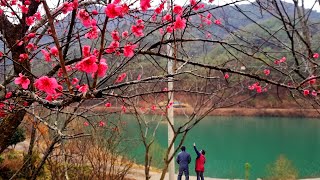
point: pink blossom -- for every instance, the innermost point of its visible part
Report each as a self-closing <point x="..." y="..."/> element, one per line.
<point x="75" y="4"/>
<point x="37" y="15"/>
<point x="24" y="9"/>
<point x="283" y="59"/>
<point x="93" y="33"/>
<point x="314" y="93"/>
<point x="108" y="104"/>
<point x="169" y="29"/>
<point x="159" y="9"/>
<point x="23" y="81"/>
<point x="19" y="43"/>
<point x="167" y="17"/>
<point x="8" y="95"/>
<point x="84" y="16"/>
<point x="139" y="77"/>
<point x="145" y="4"/>
<point x="25" y="103"/>
<point x="169" y="105"/>
<point x="94" y="12"/>
<point x="180" y="23"/>
<point x="208" y="36"/>
<point x="128" y="50"/>
<point x="67" y="7"/>
<point x="125" y="34"/>
<point x="86" y="123"/>
<point x="75" y="81"/>
<point x="153" y="107"/>
<point x="115" y="35"/>
<point x="101" y="123"/>
<point x="266" y="72"/>
<point x="193" y="2"/>
<point x="256" y="87"/>
<point x="102" y="69"/>
<point x="46" y="55"/>
<point x="46" y="84"/>
<point x="86" y="50"/>
<point x="217" y="22"/>
<point x="177" y="9"/>
<point x="29" y="20"/>
<point x="113" y="10"/>
<point x="88" y="64"/>
<point x="112" y="47"/>
<point x="23" y="57"/>
<point x="226" y="76"/>
<point x="121" y="77"/>
<point x="31" y="46"/>
<point x="306" y="92"/>
<point x="312" y="81"/>
<point x="123" y="109"/>
<point x="83" y="88"/>
<point x="316" y="55"/>
<point x="161" y="31"/>
<point x="54" y="51"/>
<point x="137" y="30"/>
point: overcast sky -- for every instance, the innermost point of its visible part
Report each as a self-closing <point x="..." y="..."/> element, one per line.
<point x="308" y="3"/>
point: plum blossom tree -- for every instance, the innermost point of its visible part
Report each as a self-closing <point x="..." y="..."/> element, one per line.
<point x="59" y="55"/>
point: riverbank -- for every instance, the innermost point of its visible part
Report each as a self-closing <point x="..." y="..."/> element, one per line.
<point x="258" y="112"/>
<point x="137" y="174"/>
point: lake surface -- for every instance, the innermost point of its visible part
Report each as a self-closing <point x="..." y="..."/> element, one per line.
<point x="230" y="142"/>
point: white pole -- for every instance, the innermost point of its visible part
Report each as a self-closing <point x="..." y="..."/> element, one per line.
<point x="170" y="110"/>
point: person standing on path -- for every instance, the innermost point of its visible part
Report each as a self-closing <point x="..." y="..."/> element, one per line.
<point x="183" y="160"/>
<point x="200" y="161"/>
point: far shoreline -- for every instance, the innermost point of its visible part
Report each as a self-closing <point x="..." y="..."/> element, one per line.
<point x="249" y="112"/>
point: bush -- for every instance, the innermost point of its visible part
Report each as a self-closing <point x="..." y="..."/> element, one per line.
<point x="1" y="159"/>
<point x="282" y="169"/>
<point x="17" y="137"/>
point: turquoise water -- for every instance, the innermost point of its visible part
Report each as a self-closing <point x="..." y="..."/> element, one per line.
<point x="230" y="142"/>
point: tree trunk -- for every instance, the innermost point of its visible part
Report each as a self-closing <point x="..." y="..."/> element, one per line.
<point x="8" y="126"/>
<point x="164" y="171"/>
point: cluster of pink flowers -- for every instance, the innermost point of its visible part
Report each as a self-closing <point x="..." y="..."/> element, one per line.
<point x="48" y="85"/>
<point x="306" y="92"/>
<point x="85" y="18"/>
<point x="89" y="63"/>
<point x="137" y="30"/>
<point x="257" y="87"/>
<point x="114" y="9"/>
<point x="279" y="61"/>
<point x="47" y="55"/>
<point x="100" y="123"/>
<point x="195" y="5"/>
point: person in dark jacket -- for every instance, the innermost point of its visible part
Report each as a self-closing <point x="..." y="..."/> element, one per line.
<point x="200" y="161"/>
<point x="183" y="160"/>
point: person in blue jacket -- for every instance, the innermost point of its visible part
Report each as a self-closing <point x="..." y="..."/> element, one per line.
<point x="183" y="160"/>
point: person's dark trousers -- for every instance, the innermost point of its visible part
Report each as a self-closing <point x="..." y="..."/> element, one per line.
<point x="199" y="175"/>
<point x="185" y="171"/>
